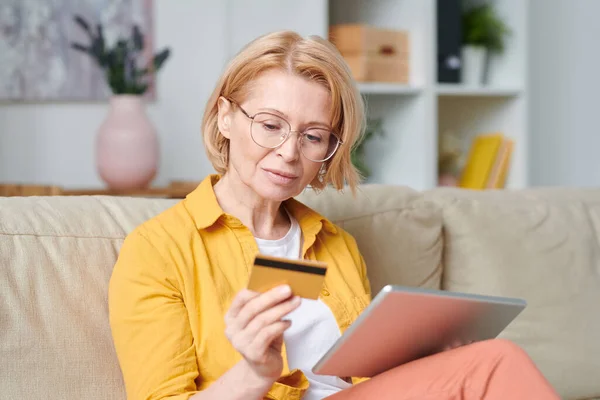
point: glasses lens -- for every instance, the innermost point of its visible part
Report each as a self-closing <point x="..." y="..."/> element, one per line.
<point x="269" y="130"/>
<point x="319" y="144"/>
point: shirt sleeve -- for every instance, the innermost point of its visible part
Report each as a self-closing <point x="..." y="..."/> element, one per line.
<point x="359" y="261"/>
<point x="364" y="276"/>
<point x="150" y="326"/>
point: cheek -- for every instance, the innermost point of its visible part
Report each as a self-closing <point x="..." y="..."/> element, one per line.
<point x="243" y="152"/>
<point x="311" y="169"/>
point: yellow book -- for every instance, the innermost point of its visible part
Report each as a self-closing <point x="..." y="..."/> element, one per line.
<point x="481" y="160"/>
<point x="498" y="175"/>
<point x="506" y="166"/>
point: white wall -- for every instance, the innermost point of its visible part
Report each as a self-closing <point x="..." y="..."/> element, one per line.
<point x="54" y="143"/>
<point x="565" y="85"/>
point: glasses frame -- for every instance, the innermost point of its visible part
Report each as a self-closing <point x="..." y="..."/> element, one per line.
<point x="301" y="134"/>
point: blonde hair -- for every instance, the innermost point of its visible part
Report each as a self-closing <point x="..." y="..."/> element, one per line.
<point x="313" y="58"/>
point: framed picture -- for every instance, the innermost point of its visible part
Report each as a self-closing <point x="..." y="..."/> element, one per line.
<point x="37" y="62"/>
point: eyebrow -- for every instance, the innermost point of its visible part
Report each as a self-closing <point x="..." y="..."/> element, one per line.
<point x="284" y="115"/>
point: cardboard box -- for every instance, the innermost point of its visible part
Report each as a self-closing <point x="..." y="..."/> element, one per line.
<point x="365" y="39"/>
<point x="373" y="54"/>
<point x="376" y="68"/>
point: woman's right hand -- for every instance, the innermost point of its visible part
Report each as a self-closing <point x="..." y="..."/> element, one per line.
<point x="255" y="327"/>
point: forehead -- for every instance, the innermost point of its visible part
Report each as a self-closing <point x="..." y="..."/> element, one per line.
<point x="300" y="99"/>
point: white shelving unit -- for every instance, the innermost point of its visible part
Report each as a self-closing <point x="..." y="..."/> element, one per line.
<point x="414" y="114"/>
<point x="451" y="90"/>
<point x="388" y="88"/>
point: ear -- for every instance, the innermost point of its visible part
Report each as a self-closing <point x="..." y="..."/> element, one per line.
<point x="224" y="116"/>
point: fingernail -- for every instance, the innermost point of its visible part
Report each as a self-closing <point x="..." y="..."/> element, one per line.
<point x="285" y="289"/>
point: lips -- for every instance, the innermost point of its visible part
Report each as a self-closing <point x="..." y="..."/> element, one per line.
<point x="283" y="174"/>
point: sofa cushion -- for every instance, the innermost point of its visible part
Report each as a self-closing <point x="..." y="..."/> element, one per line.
<point x="57" y="255"/>
<point x="540" y="245"/>
<point x="56" y="258"/>
<point x="398" y="233"/>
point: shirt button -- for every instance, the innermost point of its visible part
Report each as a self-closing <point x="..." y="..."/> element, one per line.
<point x="324" y="292"/>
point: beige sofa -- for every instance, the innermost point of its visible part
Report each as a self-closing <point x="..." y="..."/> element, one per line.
<point x="56" y="256"/>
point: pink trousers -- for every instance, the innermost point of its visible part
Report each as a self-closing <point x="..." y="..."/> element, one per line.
<point x="491" y="370"/>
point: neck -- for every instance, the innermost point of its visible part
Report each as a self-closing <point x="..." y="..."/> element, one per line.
<point x="266" y="219"/>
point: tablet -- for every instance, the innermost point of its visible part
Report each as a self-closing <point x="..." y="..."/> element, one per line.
<point x="403" y="324"/>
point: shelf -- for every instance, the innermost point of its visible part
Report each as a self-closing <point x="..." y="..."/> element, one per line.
<point x="474" y="91"/>
<point x="388" y="88"/>
<point x="175" y="190"/>
<point x="442" y="90"/>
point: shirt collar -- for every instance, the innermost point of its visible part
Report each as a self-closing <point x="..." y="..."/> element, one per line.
<point x="202" y="203"/>
<point x="308" y="218"/>
<point x="205" y="210"/>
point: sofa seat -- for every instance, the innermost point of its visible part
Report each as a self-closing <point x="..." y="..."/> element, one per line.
<point x="57" y="254"/>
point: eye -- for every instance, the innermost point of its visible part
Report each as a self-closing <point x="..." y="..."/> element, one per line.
<point x="269" y="123"/>
<point x="313" y="138"/>
<point x="270" y="126"/>
<point x="316" y="135"/>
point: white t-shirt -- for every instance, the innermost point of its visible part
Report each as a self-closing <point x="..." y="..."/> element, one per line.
<point x="314" y="328"/>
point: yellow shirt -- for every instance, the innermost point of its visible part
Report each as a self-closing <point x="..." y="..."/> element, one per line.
<point x="175" y="278"/>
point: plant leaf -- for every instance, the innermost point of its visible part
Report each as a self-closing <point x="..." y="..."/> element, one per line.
<point x="80" y="47"/>
<point x="130" y="71"/>
<point x="138" y="38"/>
<point x="160" y="58"/>
<point x="120" y="53"/>
<point x="109" y="59"/>
<point x="481" y="26"/>
<point x="373" y="127"/>
<point x="100" y="42"/>
<point x="140" y="89"/>
<point x="79" y="20"/>
<point x="115" y="77"/>
<point x="97" y="50"/>
<point x="141" y="72"/>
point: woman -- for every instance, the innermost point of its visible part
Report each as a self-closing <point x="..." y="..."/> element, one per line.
<point x="284" y="116"/>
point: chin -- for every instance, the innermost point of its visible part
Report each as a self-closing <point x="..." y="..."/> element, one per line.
<point x="275" y="192"/>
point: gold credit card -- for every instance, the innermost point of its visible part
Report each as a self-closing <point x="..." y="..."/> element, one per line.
<point x="305" y="277"/>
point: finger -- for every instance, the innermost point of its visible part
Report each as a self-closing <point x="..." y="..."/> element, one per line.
<point x="452" y="345"/>
<point x="239" y="301"/>
<point x="272" y="315"/>
<point x="266" y="337"/>
<point x="261" y="303"/>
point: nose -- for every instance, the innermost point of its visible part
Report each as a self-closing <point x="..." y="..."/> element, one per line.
<point x="289" y="150"/>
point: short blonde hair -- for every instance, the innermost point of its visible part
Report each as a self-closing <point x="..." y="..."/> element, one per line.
<point x="313" y="58"/>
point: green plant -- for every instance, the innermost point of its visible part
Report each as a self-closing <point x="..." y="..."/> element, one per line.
<point x="373" y="128"/>
<point x="120" y="63"/>
<point x="481" y="26"/>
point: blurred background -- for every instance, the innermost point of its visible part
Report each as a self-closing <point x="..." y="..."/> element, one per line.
<point x="98" y="94"/>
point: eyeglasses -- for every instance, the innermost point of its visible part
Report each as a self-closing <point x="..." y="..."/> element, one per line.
<point x="271" y="131"/>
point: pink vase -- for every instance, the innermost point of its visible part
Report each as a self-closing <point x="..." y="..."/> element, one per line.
<point x="127" y="145"/>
